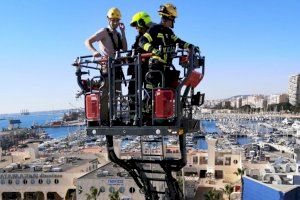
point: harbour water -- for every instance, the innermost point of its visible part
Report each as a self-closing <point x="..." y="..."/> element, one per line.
<point x="40" y="118"/>
<point x="211" y="128"/>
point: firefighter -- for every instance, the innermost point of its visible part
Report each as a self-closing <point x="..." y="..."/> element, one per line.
<point x="141" y="21"/>
<point x="162" y="35"/>
<point x="110" y="41"/>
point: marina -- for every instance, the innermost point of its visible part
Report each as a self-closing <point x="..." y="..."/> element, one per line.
<point x="237" y="129"/>
<point x="223" y="143"/>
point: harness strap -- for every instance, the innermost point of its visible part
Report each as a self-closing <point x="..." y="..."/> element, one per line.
<point x="116" y="47"/>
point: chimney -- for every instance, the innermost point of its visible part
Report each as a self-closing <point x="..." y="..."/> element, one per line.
<point x="211" y="142"/>
<point x="33" y="150"/>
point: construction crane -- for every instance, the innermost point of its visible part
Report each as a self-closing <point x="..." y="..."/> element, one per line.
<point x="171" y="115"/>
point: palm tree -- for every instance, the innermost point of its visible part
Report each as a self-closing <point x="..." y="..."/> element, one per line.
<point x="114" y="196"/>
<point x="240" y="172"/>
<point x="228" y="190"/>
<point x="212" y="194"/>
<point x="180" y="183"/>
<point x="93" y="194"/>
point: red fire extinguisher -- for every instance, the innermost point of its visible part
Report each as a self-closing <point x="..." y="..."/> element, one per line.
<point x="92" y="107"/>
<point x="164" y="103"/>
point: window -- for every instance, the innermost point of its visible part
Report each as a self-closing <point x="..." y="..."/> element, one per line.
<point x="40" y="181"/>
<point x="17" y="181"/>
<point x="219" y="161"/>
<point x="111" y="189"/>
<point x="25" y="181"/>
<point x="2" y="182"/>
<point x="9" y="181"/>
<point x="132" y="190"/>
<point x="48" y="181"/>
<point x="195" y="159"/>
<point x="218" y="174"/>
<point x="102" y="189"/>
<point x="203" y="160"/>
<point x="126" y="198"/>
<point x="80" y="190"/>
<point x="228" y="161"/>
<point x="56" y="181"/>
<point x="32" y="181"/>
<point x="235" y="162"/>
<point x="122" y="189"/>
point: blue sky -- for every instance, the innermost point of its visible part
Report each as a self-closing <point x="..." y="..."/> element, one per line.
<point x="250" y="46"/>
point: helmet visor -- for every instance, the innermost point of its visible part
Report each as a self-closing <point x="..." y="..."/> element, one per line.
<point x="133" y="24"/>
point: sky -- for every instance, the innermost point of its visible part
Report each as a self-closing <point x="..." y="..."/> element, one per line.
<point x="251" y="47"/>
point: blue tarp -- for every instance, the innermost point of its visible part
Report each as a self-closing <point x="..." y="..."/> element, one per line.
<point x="254" y="190"/>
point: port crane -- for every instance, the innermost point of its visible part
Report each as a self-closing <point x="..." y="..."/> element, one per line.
<point x="171" y="115"/>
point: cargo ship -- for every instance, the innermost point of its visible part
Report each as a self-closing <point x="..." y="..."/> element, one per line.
<point x="24" y="112"/>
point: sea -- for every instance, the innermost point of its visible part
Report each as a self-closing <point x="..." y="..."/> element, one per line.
<point x="40" y="118"/>
<point x="210" y="127"/>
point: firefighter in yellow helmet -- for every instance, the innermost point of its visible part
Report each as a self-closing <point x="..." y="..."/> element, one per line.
<point x="141" y="21"/>
<point x="162" y="35"/>
<point x="109" y="41"/>
<point x="168" y="14"/>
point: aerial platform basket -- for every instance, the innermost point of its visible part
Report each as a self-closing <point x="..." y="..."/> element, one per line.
<point x="180" y="103"/>
<point x="171" y="107"/>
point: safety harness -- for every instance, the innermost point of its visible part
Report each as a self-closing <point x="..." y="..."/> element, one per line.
<point x="119" y="71"/>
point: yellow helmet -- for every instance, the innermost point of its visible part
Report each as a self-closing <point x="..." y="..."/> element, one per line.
<point x="168" y="10"/>
<point x="114" y="13"/>
<point x="140" y="19"/>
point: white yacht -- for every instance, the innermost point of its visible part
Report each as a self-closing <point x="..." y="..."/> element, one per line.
<point x="287" y="121"/>
<point x="296" y="125"/>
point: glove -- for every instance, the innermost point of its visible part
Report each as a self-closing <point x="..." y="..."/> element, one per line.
<point x="197" y="49"/>
<point x="156" y="52"/>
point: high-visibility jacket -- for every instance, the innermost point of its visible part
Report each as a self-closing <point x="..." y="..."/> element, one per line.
<point x="157" y="36"/>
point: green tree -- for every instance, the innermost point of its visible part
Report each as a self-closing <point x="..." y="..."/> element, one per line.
<point x="94" y="193"/>
<point x="114" y="196"/>
<point x="228" y="190"/>
<point x="212" y="194"/>
<point x="240" y="172"/>
<point x="180" y="183"/>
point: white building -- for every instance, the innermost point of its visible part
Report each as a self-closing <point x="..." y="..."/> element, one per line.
<point x="221" y="164"/>
<point x="108" y="179"/>
<point x="294" y="90"/>
<point x="254" y="101"/>
<point x="278" y="98"/>
<point x="262" y="103"/>
<point x="238" y="102"/>
<point x="245" y="102"/>
<point x="233" y="103"/>
<point x="41" y="181"/>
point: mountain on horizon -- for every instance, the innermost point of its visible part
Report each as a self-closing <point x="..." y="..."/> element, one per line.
<point x="242" y="96"/>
